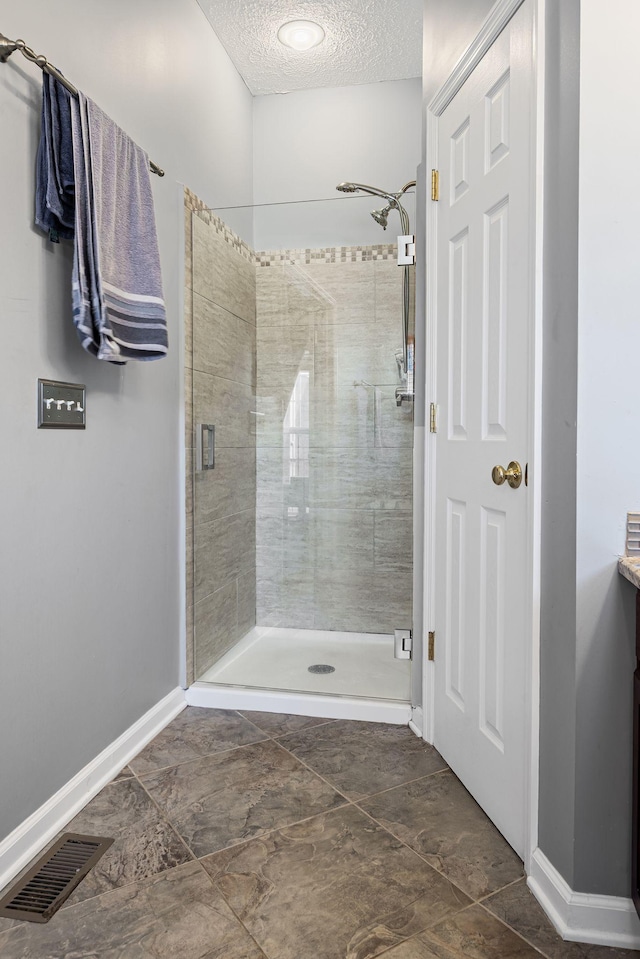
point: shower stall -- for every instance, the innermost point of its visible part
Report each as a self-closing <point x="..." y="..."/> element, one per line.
<point x="299" y="327"/>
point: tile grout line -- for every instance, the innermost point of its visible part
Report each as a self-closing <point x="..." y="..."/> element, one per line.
<point x="356" y="802"/>
<point x="219" y="376"/>
<point x="348" y="801"/>
<point x="195" y="759"/>
<point x="416" y="853"/>
<point x="232" y="910"/>
<point x="427" y="928"/>
<point x="165" y="817"/>
<point x="409" y="782"/>
<point x="453" y="917"/>
<point x="215" y="303"/>
<point x="507" y="885"/>
<point x="224" y="309"/>
<point x="324" y="722"/>
<point x="236" y="844"/>
<point x="511" y="928"/>
<point x="423" y="857"/>
<point x="440" y="872"/>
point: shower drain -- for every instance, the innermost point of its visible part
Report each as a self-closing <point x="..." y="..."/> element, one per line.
<point x="322" y="668"/>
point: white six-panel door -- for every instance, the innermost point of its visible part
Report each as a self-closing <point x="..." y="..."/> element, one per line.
<point x="484" y="322"/>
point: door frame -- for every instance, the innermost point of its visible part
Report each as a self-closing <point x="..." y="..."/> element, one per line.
<point x="497" y="19"/>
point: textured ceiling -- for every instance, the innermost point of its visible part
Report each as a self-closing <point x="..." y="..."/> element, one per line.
<point x="366" y="41"/>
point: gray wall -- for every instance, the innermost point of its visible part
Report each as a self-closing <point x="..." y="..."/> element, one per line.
<point x="558" y="693"/>
<point x="89" y="552"/>
<point x="308" y="141"/>
<point x="608" y="454"/>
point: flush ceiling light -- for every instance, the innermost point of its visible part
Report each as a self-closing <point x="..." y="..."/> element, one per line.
<point x="301" y="34"/>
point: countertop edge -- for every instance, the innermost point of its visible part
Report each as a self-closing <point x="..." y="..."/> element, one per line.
<point x="629" y="567"/>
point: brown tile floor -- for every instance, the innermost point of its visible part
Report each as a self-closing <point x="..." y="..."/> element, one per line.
<point x="257" y="836"/>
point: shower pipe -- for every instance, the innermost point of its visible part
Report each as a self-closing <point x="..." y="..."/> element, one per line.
<point x="7" y="47"/>
<point x="380" y="216"/>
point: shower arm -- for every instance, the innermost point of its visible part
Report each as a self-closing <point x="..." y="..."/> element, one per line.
<point x="351" y="187"/>
<point x="365" y="188"/>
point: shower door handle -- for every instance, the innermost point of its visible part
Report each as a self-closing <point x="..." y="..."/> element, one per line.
<point x="205" y="446"/>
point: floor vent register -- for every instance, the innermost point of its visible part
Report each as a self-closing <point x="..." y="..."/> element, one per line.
<point x="38" y="895"/>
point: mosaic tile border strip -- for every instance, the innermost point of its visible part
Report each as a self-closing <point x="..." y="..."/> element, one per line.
<point x="301" y="257"/>
<point x="193" y="203"/>
<point x="197" y="206"/>
<point x="330" y="254"/>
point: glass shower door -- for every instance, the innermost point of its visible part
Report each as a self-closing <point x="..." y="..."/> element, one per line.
<point x="302" y="531"/>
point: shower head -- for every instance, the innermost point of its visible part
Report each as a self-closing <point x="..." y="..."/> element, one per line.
<point x="380" y="216"/>
<point x="393" y="200"/>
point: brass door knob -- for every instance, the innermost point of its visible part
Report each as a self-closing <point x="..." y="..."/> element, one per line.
<point x="512" y="474"/>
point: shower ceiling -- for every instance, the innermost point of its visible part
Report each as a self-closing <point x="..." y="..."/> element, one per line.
<point x="367" y="41"/>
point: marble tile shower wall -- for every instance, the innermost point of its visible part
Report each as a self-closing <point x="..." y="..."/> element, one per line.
<point x="220" y="341"/>
<point x="334" y="452"/>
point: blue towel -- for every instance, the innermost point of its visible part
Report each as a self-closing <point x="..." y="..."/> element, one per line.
<point x="118" y="304"/>
<point x="55" y="181"/>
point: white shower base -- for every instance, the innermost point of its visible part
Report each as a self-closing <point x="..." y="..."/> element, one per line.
<point x="274" y="658"/>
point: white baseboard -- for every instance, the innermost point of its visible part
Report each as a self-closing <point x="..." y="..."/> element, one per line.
<point x="32" y="835"/>
<point x="416" y="723"/>
<point x="298" y="704"/>
<point x="579" y="916"/>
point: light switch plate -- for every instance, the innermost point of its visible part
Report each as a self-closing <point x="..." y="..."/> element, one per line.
<point x="61" y="405"/>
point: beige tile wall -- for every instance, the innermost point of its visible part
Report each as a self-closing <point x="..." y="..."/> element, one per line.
<point x="333" y="545"/>
<point x="220" y="371"/>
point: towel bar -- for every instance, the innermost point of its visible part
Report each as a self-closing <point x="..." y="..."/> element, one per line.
<point x="7" y="47"/>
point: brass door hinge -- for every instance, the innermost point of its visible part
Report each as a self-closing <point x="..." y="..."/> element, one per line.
<point x="433" y="426"/>
<point x="431" y="654"/>
<point x="435" y="185"/>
